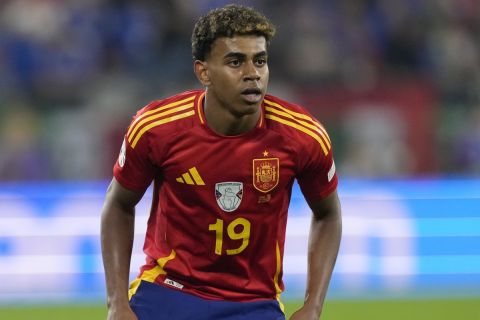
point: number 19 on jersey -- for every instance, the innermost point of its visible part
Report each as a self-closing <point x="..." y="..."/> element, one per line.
<point x="238" y="229"/>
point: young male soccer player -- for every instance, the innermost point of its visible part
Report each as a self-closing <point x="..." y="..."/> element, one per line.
<point x="223" y="161"/>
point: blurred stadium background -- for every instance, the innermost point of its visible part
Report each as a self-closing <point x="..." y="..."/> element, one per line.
<point x="396" y="83"/>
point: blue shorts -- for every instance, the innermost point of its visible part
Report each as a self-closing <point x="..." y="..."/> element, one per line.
<point x="155" y="302"/>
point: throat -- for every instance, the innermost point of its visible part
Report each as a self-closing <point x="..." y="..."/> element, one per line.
<point x="226" y="121"/>
<point x="231" y="125"/>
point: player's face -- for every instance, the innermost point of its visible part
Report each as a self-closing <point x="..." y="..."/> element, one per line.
<point x="237" y="73"/>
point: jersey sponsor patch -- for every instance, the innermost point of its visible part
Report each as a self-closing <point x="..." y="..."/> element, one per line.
<point x="172" y="283"/>
<point x="229" y="195"/>
<point x="331" y="172"/>
<point x="123" y="154"/>
<point x="265" y="174"/>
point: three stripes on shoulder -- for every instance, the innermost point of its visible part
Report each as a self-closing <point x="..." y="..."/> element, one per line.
<point x="185" y="108"/>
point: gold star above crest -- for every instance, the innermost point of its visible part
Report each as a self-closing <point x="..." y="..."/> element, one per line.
<point x="265" y="153"/>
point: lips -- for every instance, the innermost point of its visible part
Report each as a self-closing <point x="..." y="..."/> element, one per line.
<point x="252" y="95"/>
<point x="252" y="91"/>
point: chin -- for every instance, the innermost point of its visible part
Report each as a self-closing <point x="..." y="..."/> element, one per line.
<point x="251" y="108"/>
<point x="246" y="109"/>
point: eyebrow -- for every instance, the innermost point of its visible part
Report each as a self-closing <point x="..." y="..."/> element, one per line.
<point x="243" y="55"/>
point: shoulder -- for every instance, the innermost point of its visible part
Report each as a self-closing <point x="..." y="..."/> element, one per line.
<point x="170" y="104"/>
<point x="171" y="114"/>
<point x="280" y="103"/>
<point x="296" y="122"/>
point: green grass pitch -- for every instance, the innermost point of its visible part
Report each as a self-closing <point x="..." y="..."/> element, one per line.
<point x="468" y="309"/>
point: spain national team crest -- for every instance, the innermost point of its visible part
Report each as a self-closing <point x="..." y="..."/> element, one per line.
<point x="229" y="195"/>
<point x="265" y="174"/>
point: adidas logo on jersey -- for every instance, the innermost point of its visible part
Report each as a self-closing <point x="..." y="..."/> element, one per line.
<point x="191" y="177"/>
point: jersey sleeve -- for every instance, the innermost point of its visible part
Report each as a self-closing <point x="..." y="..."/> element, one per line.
<point x="317" y="176"/>
<point x="133" y="168"/>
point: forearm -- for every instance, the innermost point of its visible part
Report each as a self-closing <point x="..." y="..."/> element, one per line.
<point x="117" y="231"/>
<point x="324" y="242"/>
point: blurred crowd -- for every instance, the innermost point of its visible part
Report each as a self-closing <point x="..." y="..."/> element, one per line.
<point x="73" y="73"/>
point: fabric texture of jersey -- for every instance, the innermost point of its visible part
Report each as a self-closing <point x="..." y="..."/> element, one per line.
<point x="219" y="211"/>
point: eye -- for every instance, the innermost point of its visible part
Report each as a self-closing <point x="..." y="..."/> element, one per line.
<point x="260" y="62"/>
<point x="234" y="63"/>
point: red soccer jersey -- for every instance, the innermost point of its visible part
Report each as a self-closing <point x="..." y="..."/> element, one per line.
<point x="219" y="212"/>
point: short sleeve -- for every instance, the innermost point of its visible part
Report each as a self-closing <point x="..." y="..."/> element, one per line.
<point x="317" y="174"/>
<point x="133" y="168"/>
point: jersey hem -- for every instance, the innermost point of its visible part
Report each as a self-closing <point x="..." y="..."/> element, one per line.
<point x="198" y="294"/>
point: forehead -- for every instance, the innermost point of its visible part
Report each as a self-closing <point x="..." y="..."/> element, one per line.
<point x="246" y="44"/>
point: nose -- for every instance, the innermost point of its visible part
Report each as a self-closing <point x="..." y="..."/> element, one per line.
<point x="251" y="72"/>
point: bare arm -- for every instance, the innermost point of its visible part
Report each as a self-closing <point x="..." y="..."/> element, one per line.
<point x="117" y="230"/>
<point x="324" y="242"/>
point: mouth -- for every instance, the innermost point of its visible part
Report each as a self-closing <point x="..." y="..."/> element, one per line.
<point x="252" y="95"/>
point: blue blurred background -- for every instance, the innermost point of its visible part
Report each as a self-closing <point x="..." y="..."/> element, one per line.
<point x="396" y="83"/>
<point x="401" y="239"/>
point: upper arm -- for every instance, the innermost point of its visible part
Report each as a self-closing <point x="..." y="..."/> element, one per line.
<point x="120" y="196"/>
<point x="326" y="207"/>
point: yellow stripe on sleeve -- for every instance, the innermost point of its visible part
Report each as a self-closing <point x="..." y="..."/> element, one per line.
<point x="325" y="134"/>
<point x="304" y="123"/>
<point x="312" y="134"/>
<point x="146" y="114"/>
<point x="301" y="116"/>
<point x="293" y="113"/>
<point x="160" y="122"/>
<point x="156" y="116"/>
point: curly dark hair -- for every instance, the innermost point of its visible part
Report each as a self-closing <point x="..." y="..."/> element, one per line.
<point x="226" y="22"/>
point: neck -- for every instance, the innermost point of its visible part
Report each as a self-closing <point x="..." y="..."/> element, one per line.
<point x="224" y="121"/>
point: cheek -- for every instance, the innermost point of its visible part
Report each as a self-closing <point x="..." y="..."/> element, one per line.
<point x="224" y="79"/>
<point x="265" y="73"/>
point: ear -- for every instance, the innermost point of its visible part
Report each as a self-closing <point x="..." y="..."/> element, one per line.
<point x="201" y="71"/>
